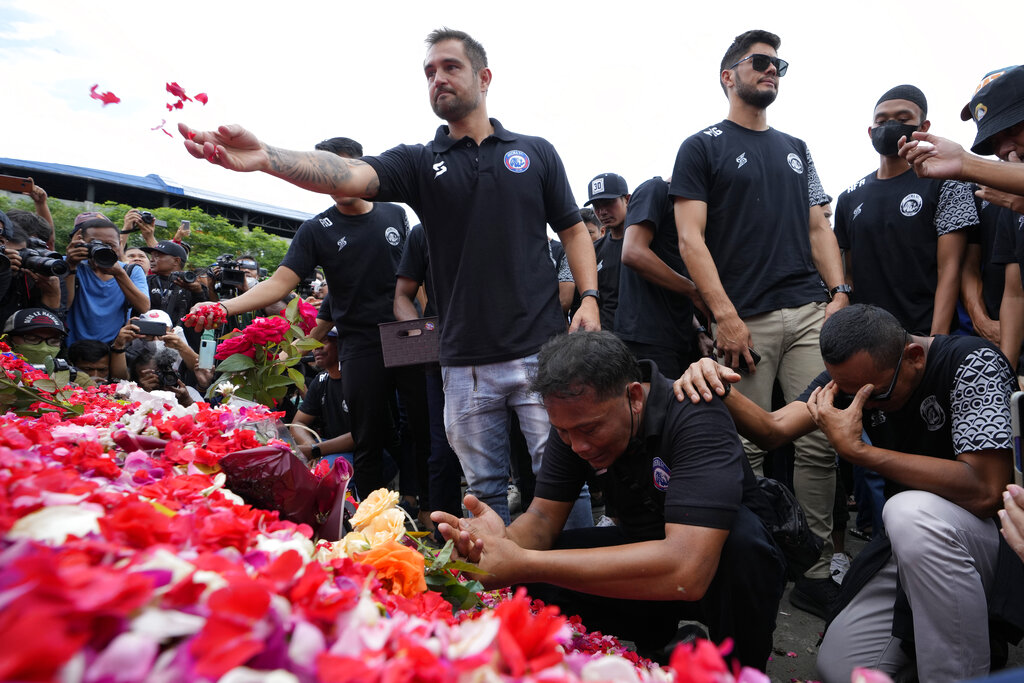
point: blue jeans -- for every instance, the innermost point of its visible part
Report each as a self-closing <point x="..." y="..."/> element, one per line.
<point x="478" y="399"/>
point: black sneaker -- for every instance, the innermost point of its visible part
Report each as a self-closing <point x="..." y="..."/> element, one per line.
<point x="816" y="596"/>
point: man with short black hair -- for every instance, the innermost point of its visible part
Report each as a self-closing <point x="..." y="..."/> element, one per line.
<point x="905" y="237"/>
<point x="485" y="196"/>
<point x="168" y="292"/>
<point x="608" y="193"/>
<point x="100" y="296"/>
<point x="92" y="357"/>
<point x="655" y="316"/>
<point x="688" y="545"/>
<point x="755" y="240"/>
<point x="937" y="412"/>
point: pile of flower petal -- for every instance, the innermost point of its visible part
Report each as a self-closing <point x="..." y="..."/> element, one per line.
<point x="141" y="566"/>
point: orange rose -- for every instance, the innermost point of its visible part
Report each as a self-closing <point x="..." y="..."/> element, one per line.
<point x="399" y="568"/>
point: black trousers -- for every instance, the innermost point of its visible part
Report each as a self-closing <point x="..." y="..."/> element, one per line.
<point x="741" y="603"/>
<point x="369" y="390"/>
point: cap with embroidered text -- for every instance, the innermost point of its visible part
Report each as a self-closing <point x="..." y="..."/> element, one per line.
<point x="30" y="319"/>
<point x="606" y="186"/>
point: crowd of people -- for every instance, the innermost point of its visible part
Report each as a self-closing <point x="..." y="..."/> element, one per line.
<point x="889" y="345"/>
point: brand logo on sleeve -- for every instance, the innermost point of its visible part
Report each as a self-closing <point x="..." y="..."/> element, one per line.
<point x="517" y="161"/>
<point x="392" y="236"/>
<point x="911" y="204"/>
<point x="794" y="163"/>
<point x="661" y="474"/>
<point x="712" y="132"/>
<point x="326" y="222"/>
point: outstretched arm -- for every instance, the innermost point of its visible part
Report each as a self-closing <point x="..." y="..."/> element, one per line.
<point x="936" y="157"/>
<point x="236" y="149"/>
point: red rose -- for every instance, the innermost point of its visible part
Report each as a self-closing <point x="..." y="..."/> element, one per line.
<point x="240" y="344"/>
<point x="267" y="330"/>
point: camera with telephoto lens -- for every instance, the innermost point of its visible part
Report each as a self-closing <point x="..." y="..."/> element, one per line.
<point x="166" y="374"/>
<point x="38" y="259"/>
<point x="184" y="275"/>
<point x="60" y="365"/>
<point x="102" y="254"/>
<point x="230" y="275"/>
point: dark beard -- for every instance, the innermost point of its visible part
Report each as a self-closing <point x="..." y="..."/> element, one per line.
<point x="754" y="97"/>
<point x="453" y="109"/>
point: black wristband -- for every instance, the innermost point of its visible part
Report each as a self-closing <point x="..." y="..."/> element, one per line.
<point x="315" y="451"/>
<point x="728" y="388"/>
<point x="116" y="350"/>
<point x="590" y="292"/>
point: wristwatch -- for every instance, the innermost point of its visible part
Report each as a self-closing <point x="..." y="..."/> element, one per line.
<point x="590" y="292"/>
<point x="839" y="289"/>
<point x="315" y="451"/>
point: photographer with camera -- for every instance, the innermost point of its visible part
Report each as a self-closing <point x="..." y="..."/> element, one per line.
<point x="102" y="289"/>
<point x="171" y="288"/>
<point x="156" y="356"/>
<point x="140" y="221"/>
<point x="29" y="272"/>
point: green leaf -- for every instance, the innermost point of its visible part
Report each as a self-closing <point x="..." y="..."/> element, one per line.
<point x="277" y="381"/>
<point x="458" y="566"/>
<point x="236" y="362"/>
<point x="45" y="385"/>
<point x="307" y="343"/>
<point x="296" y="376"/>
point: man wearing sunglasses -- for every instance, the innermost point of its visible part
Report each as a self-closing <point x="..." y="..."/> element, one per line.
<point x="937" y="414"/>
<point x="904" y="237"/>
<point x="749" y="208"/>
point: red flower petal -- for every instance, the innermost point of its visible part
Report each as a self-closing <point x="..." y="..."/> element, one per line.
<point x="201" y="97"/>
<point x="106" y="97"/>
<point x="177" y="91"/>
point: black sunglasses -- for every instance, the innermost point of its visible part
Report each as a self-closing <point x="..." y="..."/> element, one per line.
<point x="760" y="62"/>
<point x="887" y="394"/>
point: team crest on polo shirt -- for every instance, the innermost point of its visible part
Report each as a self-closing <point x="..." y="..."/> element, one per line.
<point x="932" y="414"/>
<point x="911" y="204"/>
<point x="392" y="236"/>
<point x="517" y="161"/>
<point x="660" y="473"/>
<point x="794" y="163"/>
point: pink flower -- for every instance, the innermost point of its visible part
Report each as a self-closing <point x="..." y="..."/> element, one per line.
<point x="104" y="97"/>
<point x="308" y="313"/>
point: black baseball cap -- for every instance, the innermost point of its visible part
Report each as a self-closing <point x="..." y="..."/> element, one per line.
<point x="606" y="186"/>
<point x="998" y="104"/>
<point x="169" y="247"/>
<point x="29" y="319"/>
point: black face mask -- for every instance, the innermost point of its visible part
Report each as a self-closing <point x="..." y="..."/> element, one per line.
<point x="884" y="138"/>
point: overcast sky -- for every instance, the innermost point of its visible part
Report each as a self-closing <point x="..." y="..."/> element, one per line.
<point x="615" y="86"/>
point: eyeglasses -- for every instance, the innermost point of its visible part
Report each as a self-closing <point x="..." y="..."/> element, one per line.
<point x="887" y="394"/>
<point x="36" y="339"/>
<point x="760" y="62"/>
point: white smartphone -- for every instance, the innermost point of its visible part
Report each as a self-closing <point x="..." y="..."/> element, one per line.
<point x="207" y="347"/>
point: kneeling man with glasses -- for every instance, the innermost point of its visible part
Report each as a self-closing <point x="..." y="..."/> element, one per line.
<point x="932" y="416"/>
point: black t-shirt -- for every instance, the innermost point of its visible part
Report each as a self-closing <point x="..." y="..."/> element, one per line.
<point x="759" y="187"/>
<point x="961" y="405"/>
<point x="647" y="313"/>
<point x="360" y="256"/>
<point x="1009" y="242"/>
<point x="687" y="467"/>
<point x="415" y="265"/>
<point x="891" y="230"/>
<point x="484" y="210"/>
<point x="609" y="261"/>
<point x="324" y="400"/>
<point x="997" y="232"/>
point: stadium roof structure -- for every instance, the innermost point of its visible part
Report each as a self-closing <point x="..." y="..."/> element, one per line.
<point x="77" y="183"/>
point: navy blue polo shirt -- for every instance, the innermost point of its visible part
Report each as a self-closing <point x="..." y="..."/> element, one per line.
<point x="484" y="211"/>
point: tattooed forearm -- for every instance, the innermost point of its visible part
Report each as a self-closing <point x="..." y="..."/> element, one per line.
<point x="323" y="172"/>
